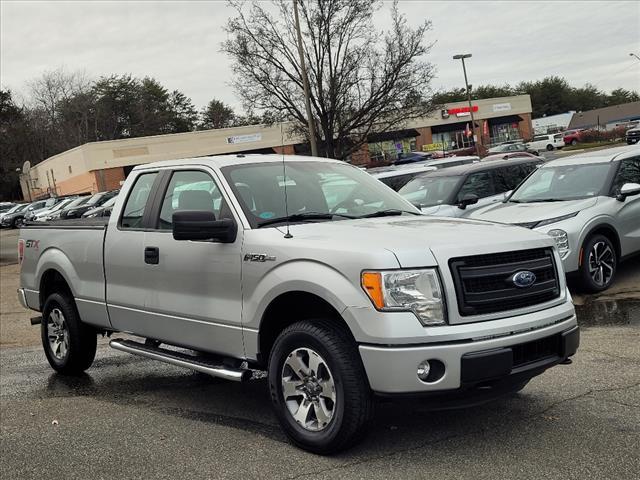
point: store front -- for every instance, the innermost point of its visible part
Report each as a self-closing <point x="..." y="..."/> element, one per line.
<point x="385" y="147"/>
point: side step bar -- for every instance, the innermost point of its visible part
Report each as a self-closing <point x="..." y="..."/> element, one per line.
<point x="181" y="360"/>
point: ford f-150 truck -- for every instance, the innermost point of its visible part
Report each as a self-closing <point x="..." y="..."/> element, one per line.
<point x="310" y="269"/>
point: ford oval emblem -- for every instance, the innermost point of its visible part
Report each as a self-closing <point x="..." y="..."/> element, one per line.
<point x="524" y="279"/>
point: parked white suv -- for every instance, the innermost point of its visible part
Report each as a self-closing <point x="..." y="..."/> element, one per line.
<point x="589" y="204"/>
<point x="546" y="142"/>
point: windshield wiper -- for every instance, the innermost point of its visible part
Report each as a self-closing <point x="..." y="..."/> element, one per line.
<point x="541" y="200"/>
<point x="297" y="217"/>
<point x="388" y="213"/>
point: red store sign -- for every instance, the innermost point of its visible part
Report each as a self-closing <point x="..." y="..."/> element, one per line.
<point x="455" y="111"/>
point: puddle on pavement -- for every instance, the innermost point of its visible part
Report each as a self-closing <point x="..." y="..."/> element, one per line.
<point x="604" y="313"/>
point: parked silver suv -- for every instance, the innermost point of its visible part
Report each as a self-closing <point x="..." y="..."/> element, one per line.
<point x="589" y="204"/>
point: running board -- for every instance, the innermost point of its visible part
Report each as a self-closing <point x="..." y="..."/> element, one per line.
<point x="181" y="360"/>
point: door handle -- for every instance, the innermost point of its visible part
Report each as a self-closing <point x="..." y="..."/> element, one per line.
<point x="152" y="255"/>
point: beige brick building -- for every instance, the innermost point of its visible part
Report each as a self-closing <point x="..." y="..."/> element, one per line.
<point x="100" y="166"/>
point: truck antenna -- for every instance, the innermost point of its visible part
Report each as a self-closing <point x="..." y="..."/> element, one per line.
<point x="284" y="175"/>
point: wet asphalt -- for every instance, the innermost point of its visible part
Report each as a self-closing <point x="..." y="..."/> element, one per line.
<point x="129" y="417"/>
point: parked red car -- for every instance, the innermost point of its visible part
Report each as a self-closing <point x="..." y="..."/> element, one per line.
<point x="573" y="137"/>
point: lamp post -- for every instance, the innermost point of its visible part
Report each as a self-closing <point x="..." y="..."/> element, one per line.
<point x="466" y="86"/>
<point x="305" y="84"/>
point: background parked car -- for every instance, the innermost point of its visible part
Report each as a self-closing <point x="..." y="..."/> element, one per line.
<point x="102" y="211"/>
<point x="396" y="177"/>
<point x="546" y="142"/>
<point x="42" y="214"/>
<point x="412" y="157"/>
<point x="14" y="217"/>
<point x="6" y="206"/>
<point x="509" y="156"/>
<point x="572" y="137"/>
<point x="36" y="209"/>
<point x="589" y="204"/>
<point x="56" y="215"/>
<point x="633" y="135"/>
<point x="512" y="148"/>
<point x="456" y="191"/>
<point x="93" y="202"/>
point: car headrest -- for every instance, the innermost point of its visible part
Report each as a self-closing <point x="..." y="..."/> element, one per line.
<point x="195" y="200"/>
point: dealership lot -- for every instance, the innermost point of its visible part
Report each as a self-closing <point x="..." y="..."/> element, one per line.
<point x="130" y="417"/>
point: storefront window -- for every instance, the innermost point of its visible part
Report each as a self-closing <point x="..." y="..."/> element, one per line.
<point x="388" y="151"/>
<point x="504" y="132"/>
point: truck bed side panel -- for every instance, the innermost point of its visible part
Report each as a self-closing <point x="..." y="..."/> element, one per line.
<point x="76" y="252"/>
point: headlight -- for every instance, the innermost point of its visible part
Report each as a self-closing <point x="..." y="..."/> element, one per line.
<point x="549" y="221"/>
<point x="417" y="291"/>
<point x="562" y="241"/>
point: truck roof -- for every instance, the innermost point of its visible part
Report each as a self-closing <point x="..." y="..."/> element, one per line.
<point x="236" y="159"/>
<point x="599" y="156"/>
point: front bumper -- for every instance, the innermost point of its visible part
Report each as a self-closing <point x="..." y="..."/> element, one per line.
<point x="393" y="370"/>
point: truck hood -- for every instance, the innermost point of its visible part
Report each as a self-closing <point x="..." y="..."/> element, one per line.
<point x="416" y="241"/>
<point x="530" y="212"/>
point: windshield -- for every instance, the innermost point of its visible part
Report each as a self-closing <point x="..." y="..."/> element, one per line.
<point x="564" y="182"/>
<point x="16" y="208"/>
<point x="62" y="204"/>
<point x="95" y="199"/>
<point x="78" y="201"/>
<point x="429" y="191"/>
<point x="312" y="187"/>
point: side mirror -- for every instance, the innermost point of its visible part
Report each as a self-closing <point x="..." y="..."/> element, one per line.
<point x="467" y="199"/>
<point x="628" y="190"/>
<point x="202" y="225"/>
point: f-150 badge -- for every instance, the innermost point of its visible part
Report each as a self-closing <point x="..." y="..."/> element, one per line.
<point x="258" y="257"/>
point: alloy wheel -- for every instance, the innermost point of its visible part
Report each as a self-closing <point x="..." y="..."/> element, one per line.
<point x="58" y="334"/>
<point x="601" y="263"/>
<point x="308" y="389"/>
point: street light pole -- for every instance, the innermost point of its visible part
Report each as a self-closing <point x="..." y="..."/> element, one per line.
<point x="466" y="85"/>
<point x="305" y="84"/>
<point x="634" y="55"/>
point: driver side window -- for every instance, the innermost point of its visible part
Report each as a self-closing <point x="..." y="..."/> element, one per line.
<point x="629" y="172"/>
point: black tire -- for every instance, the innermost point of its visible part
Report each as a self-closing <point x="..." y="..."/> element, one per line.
<point x="598" y="252"/>
<point x="549" y="147"/>
<point x="17" y="222"/>
<point x="353" y="406"/>
<point x="574" y="142"/>
<point x="81" y="338"/>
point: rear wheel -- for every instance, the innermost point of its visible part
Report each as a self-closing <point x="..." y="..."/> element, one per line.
<point x="549" y="147"/>
<point x="318" y="386"/>
<point x="574" y="142"/>
<point x="18" y="222"/>
<point x="69" y="344"/>
<point x="599" y="263"/>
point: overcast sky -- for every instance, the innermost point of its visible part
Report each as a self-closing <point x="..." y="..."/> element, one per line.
<point x="178" y="42"/>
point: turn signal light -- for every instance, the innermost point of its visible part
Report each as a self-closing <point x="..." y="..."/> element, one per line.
<point x="372" y="285"/>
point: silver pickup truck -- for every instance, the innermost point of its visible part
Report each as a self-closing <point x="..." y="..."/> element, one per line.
<point x="311" y="270"/>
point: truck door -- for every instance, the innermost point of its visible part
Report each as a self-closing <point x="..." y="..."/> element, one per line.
<point x="125" y="272"/>
<point x="193" y="295"/>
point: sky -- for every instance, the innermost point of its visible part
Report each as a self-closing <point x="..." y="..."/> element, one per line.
<point x="178" y="42"/>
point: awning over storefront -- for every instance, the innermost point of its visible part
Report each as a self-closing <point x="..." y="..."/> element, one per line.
<point x="390" y="136"/>
<point x="506" y="119"/>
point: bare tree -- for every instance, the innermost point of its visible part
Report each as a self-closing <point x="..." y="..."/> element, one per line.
<point x="362" y="81"/>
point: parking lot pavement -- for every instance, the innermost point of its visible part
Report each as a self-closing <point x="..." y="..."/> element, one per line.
<point x="129" y="417"/>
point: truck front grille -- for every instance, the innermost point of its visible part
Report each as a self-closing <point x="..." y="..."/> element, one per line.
<point x="484" y="283"/>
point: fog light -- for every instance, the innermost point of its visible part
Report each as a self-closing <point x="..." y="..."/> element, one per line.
<point x="430" y="371"/>
<point x="423" y="370"/>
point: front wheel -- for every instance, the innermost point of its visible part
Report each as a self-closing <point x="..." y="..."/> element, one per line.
<point x="599" y="264"/>
<point x="18" y="222"/>
<point x="318" y="386"/>
<point x="574" y="142"/>
<point x="69" y="344"/>
<point x="549" y="147"/>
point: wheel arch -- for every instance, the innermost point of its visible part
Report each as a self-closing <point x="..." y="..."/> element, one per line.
<point x="288" y="308"/>
<point x="52" y="281"/>
<point x="605" y="229"/>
